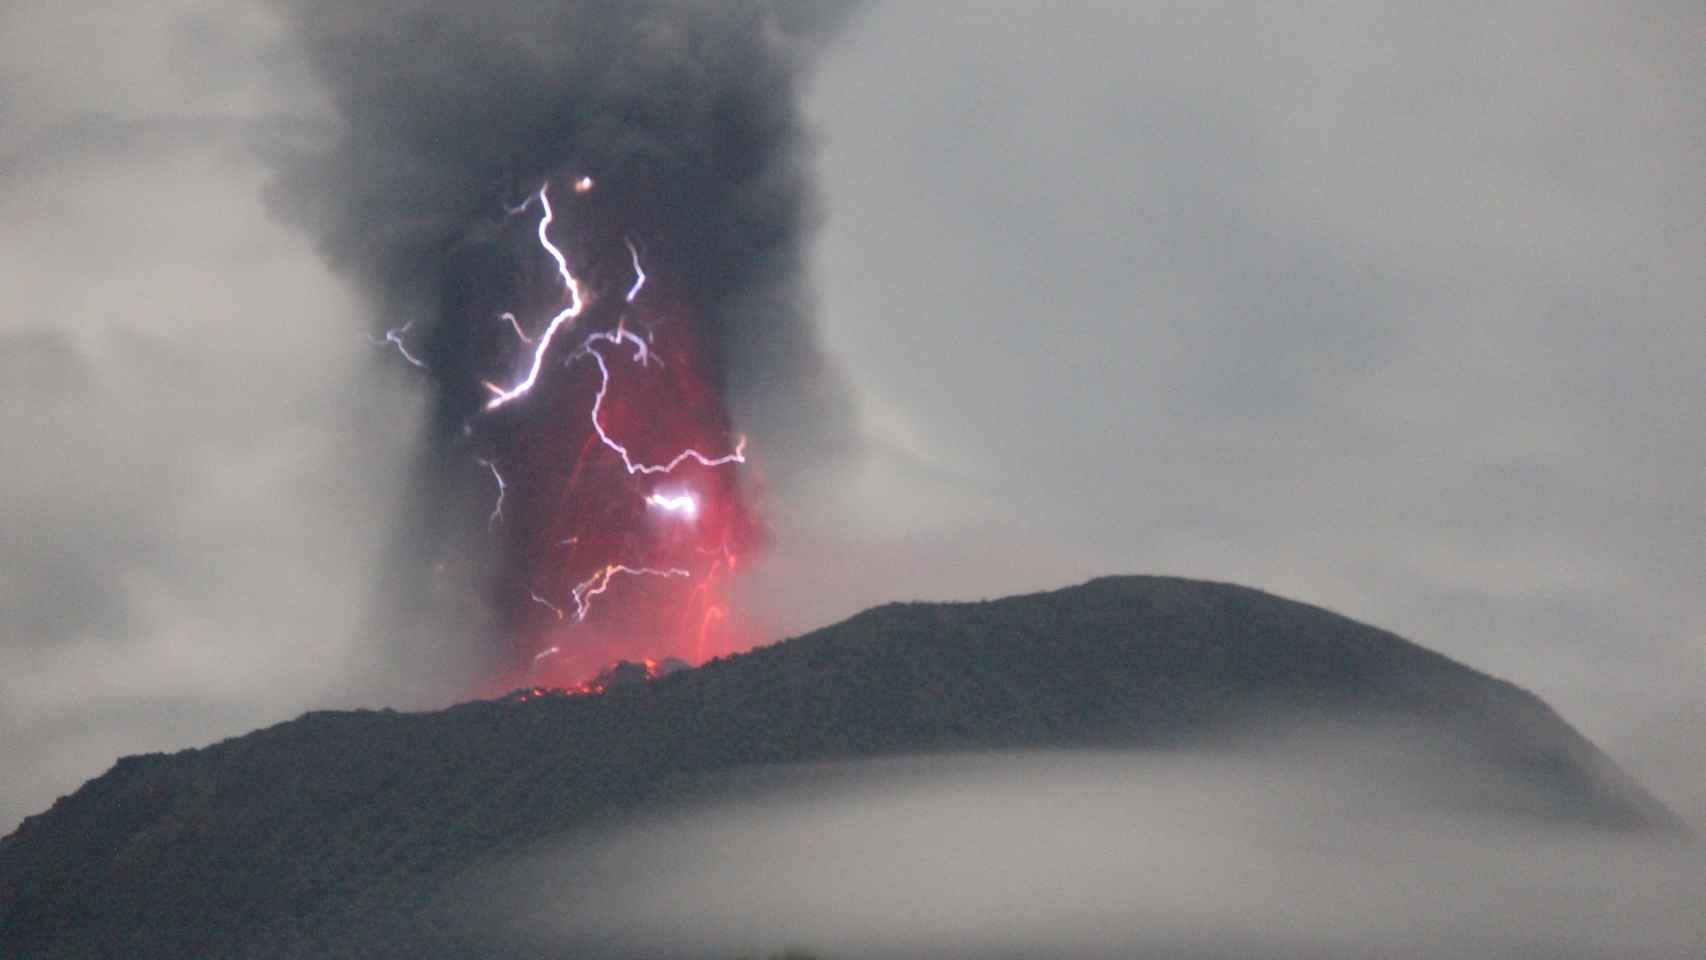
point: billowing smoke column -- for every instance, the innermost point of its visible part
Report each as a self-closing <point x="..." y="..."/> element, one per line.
<point x="580" y="222"/>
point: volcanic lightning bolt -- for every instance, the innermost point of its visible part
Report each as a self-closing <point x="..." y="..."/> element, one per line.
<point x="641" y="356"/>
<point x="394" y="336"/>
<point x="600" y="582"/>
<point x="498" y="507"/>
<point x="639" y="272"/>
<point x="589" y="489"/>
<point x="568" y="313"/>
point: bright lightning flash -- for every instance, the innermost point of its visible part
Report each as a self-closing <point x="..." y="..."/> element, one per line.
<point x="576" y="304"/>
<point x="639" y="272"/>
<point x="599" y="582"/>
<point x="684" y="504"/>
<point x="628" y="462"/>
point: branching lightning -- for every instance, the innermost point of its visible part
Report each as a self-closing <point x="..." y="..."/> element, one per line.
<point x="628" y="461"/>
<point x="394" y="336"/>
<point x="639" y="272"/>
<point x="576" y="304"/>
<point x="599" y="582"/>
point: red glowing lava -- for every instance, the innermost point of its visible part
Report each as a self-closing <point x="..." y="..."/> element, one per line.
<point x="619" y="494"/>
<point x="619" y="673"/>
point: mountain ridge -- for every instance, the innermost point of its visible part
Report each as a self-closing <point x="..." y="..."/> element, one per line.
<point x="350" y="820"/>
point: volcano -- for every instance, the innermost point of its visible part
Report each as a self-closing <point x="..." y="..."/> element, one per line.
<point x="344" y="834"/>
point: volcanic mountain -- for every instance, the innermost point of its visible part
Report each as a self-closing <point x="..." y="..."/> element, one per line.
<point x="343" y="834"/>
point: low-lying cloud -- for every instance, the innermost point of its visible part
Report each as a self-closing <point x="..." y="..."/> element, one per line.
<point x="1319" y="849"/>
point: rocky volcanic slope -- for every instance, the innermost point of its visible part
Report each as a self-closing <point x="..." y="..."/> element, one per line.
<point x="333" y="834"/>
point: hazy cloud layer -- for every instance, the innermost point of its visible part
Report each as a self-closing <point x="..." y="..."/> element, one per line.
<point x="1305" y="853"/>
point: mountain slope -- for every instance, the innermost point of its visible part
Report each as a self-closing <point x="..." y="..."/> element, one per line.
<point x="332" y="834"/>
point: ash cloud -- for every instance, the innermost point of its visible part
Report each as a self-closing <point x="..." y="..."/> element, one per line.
<point x="685" y="113"/>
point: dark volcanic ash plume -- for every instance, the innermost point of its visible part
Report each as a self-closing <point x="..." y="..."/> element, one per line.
<point x="581" y="222"/>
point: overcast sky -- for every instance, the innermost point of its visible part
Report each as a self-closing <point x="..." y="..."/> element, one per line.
<point x="1393" y="308"/>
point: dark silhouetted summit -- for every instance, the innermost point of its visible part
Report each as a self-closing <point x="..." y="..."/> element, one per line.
<point x="337" y="834"/>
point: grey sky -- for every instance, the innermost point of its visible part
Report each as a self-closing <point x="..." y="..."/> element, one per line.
<point x="1392" y="308"/>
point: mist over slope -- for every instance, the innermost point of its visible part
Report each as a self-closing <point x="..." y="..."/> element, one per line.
<point x="350" y="833"/>
<point x="1320" y="844"/>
